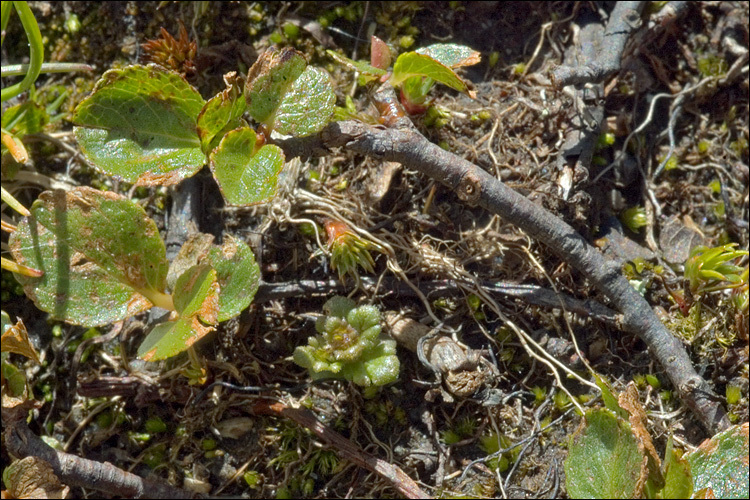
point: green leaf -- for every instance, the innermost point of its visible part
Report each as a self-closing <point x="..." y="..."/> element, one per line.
<point x="360" y="67"/>
<point x="719" y="465"/>
<point x="610" y="400"/>
<point x="269" y="79"/>
<point x="380" y="54"/>
<point x="415" y="91"/>
<point x="140" y="124"/>
<point x="172" y="337"/>
<point x="365" y="319"/>
<point x="238" y="276"/>
<point x="246" y="177"/>
<point x="25" y="118"/>
<point x="237" y="273"/>
<point x="338" y="306"/>
<point x="413" y="64"/>
<point x="102" y="256"/>
<point x="221" y="113"/>
<point x="192" y="289"/>
<point x="308" y="105"/>
<point x="678" y="481"/>
<point x="383" y="366"/>
<point x="603" y="459"/>
<point x="451" y="54"/>
<point x="196" y="297"/>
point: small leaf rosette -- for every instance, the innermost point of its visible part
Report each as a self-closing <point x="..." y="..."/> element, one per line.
<point x="349" y="346"/>
<point x="348" y="251"/>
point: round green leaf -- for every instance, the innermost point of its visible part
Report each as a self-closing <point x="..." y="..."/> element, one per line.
<point x="100" y="253"/>
<point x="246" y="177"/>
<point x="269" y="79"/>
<point x="719" y="465"/>
<point x="238" y="275"/>
<point x="383" y="369"/>
<point x="451" y="54"/>
<point x="414" y="64"/>
<point x="603" y="459"/>
<point x="140" y="124"/>
<point x="308" y="105"/>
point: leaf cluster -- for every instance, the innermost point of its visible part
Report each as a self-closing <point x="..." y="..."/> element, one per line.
<point x="99" y="258"/>
<point x="415" y="72"/>
<point x="149" y="126"/>
<point x="611" y="455"/>
<point x="350" y="346"/>
<point x="102" y="260"/>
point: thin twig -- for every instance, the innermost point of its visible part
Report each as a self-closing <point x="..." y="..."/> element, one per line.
<point x="76" y="471"/>
<point x="304" y="417"/>
<point x="475" y="186"/>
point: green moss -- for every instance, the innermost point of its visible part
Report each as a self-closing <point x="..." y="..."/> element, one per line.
<point x="252" y="478"/>
<point x="493" y="59"/>
<point x="605" y="140"/>
<point x="104" y="419"/>
<point x="739" y="146"/>
<point x="712" y="65"/>
<point x="406" y="42"/>
<point x="634" y="218"/>
<point x="562" y="401"/>
<point x="653" y="381"/>
<point x="275" y="38"/>
<point x="155" y="455"/>
<point x="291" y="31"/>
<point x="155" y="425"/>
<point x="540" y="394"/>
<point x="733" y="394"/>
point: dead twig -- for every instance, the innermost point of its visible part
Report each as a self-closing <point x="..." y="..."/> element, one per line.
<point x="625" y="19"/>
<point x="398" y="478"/>
<point x="73" y="470"/>
<point x="475" y="186"/>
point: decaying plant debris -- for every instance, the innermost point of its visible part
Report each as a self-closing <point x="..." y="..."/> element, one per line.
<point x="484" y="296"/>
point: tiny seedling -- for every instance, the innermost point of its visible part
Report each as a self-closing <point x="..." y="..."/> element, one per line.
<point x="348" y="250"/>
<point x="711" y="269"/>
<point x="415" y="72"/>
<point x="350" y="346"/>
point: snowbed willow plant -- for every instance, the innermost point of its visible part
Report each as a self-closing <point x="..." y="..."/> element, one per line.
<point x="101" y="258"/>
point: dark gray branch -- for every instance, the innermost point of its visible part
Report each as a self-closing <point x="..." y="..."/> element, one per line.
<point x="531" y="294"/>
<point x="602" y="56"/>
<point x="72" y="470"/>
<point x="474" y="186"/>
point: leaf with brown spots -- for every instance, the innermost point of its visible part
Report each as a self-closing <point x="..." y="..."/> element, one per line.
<point x="102" y="256"/>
